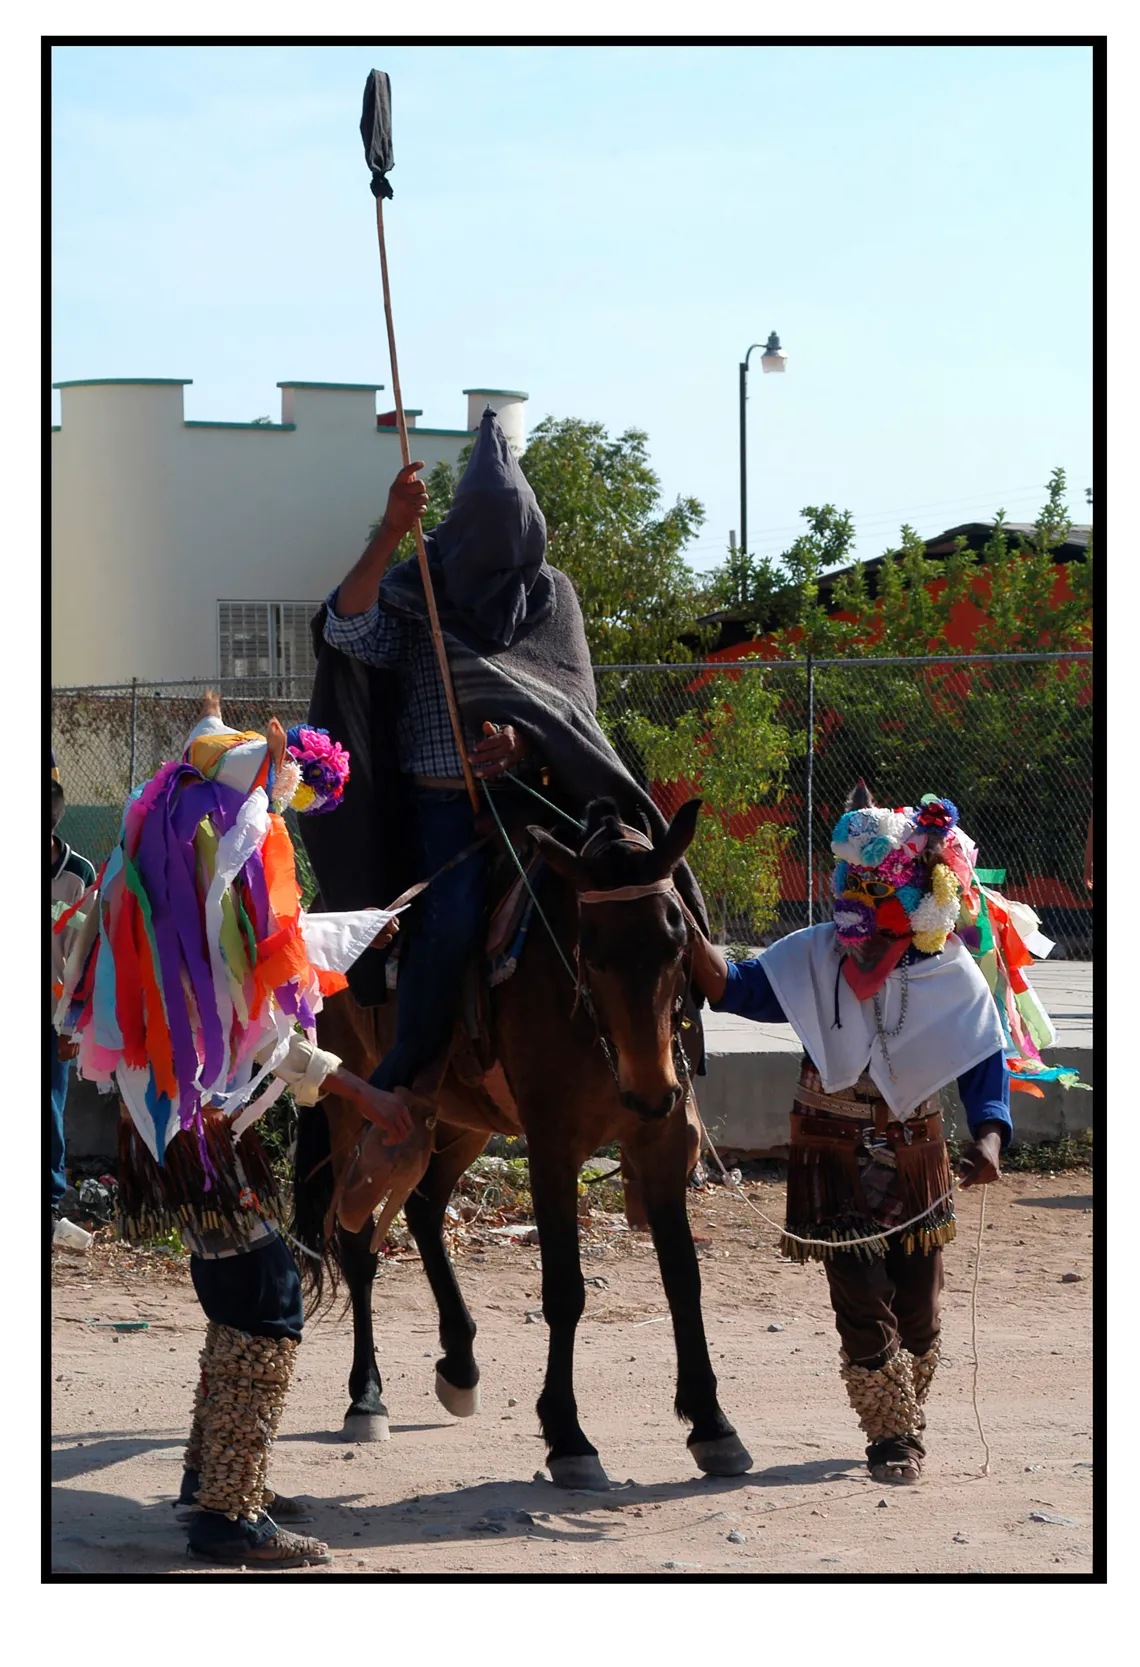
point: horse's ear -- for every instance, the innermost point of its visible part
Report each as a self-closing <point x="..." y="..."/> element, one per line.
<point x="563" y="861"/>
<point x="673" y="844"/>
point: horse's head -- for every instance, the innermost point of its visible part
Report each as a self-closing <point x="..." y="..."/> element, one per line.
<point x="632" y="943"/>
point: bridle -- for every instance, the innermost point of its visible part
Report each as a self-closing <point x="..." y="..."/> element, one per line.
<point x="583" y="996"/>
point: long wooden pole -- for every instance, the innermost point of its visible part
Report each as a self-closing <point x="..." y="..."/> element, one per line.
<point x="421" y="553"/>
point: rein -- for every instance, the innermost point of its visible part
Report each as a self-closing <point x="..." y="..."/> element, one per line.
<point x="631" y="894"/>
<point x="582" y="995"/>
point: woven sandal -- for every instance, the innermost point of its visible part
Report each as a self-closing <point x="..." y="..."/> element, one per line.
<point x="897" y="1461"/>
<point x="218" y="1540"/>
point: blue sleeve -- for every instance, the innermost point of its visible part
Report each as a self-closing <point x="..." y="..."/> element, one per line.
<point x="985" y="1095"/>
<point x="376" y="638"/>
<point x="749" y="994"/>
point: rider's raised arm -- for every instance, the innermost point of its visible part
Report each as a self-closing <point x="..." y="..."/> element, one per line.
<point x="407" y="500"/>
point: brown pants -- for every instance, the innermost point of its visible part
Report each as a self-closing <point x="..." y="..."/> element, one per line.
<point x="891" y="1301"/>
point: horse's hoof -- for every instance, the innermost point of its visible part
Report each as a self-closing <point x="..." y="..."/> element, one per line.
<point x="366" y="1426"/>
<point x="726" y="1456"/>
<point x="583" y="1470"/>
<point x="461" y="1403"/>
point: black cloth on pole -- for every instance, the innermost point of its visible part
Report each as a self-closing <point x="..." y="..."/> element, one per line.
<point x="376" y="130"/>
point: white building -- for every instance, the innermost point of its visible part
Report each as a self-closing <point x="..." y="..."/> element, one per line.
<point x="201" y="549"/>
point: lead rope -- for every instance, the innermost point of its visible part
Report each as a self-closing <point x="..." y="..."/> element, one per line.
<point x="571" y="821"/>
<point x="974" y="1333"/>
<point x="734" y="1188"/>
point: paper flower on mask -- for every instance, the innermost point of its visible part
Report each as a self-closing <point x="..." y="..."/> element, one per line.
<point x="866" y="837"/>
<point x="324" y="769"/>
<point x="937" y="914"/>
<point x="854" y="919"/>
<point x="936" y="815"/>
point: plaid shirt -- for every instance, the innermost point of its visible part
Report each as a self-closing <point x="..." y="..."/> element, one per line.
<point x="425" y="743"/>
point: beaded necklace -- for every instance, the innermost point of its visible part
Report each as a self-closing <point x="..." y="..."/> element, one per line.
<point x="884" y="1034"/>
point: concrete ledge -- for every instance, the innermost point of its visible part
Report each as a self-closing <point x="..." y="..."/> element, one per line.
<point x="753" y="1070"/>
<point x="746" y="1097"/>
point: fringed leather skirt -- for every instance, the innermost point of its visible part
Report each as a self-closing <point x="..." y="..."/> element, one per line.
<point x="855" y="1170"/>
<point x="235" y="1200"/>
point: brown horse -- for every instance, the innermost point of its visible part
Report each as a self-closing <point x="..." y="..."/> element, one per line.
<point x="577" y="1069"/>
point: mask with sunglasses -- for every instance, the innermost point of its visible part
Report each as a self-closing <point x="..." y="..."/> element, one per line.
<point x="899" y="877"/>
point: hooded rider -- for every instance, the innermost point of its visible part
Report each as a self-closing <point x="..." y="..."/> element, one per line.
<point x="493" y="587"/>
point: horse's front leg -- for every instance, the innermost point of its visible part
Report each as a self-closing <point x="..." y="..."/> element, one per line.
<point x="367" y="1416"/>
<point x="456" y="1374"/>
<point x="572" y="1460"/>
<point x="659" y="1157"/>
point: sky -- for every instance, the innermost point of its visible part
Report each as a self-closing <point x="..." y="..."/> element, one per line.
<point x="610" y="228"/>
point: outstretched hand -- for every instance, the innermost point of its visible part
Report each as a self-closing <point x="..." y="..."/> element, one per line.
<point x="981" y="1161"/>
<point x="389" y="1113"/>
<point x="386" y="933"/>
<point x="710" y="969"/>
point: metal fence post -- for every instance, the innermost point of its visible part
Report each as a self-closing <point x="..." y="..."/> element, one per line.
<point x="134" y="733"/>
<point x="810" y="780"/>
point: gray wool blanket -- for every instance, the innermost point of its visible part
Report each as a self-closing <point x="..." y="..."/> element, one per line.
<point x="542" y="683"/>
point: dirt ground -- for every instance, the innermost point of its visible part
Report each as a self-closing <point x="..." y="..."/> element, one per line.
<point x="446" y="1497"/>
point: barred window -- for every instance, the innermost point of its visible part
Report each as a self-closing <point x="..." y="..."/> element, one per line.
<point x="267" y="644"/>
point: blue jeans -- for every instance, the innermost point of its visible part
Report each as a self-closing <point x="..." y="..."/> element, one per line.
<point x="448" y="933"/>
<point x="60" y="1076"/>
<point x="258" y="1291"/>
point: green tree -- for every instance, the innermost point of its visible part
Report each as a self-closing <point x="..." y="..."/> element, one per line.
<point x="727" y="746"/>
<point x="610" y="535"/>
<point x="1011" y="742"/>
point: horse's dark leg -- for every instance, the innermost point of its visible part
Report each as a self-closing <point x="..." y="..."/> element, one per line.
<point x="456" y="1374"/>
<point x="660" y="1159"/>
<point x="367" y="1416"/>
<point x="572" y="1460"/>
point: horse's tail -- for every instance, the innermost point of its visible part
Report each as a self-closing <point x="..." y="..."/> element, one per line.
<point x="312" y="1195"/>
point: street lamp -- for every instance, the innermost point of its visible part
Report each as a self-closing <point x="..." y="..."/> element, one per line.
<point x="774" y="359"/>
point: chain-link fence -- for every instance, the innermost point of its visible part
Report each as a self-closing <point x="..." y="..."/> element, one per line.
<point x="110" y="738"/>
<point x="1008" y="738"/>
